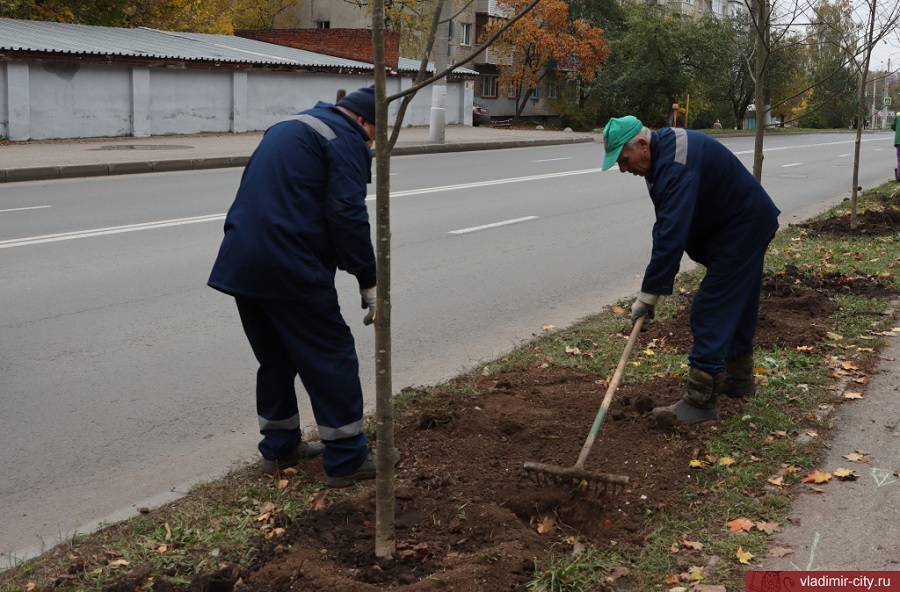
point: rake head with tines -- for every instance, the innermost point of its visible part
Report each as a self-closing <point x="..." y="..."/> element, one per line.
<point x="577" y="478"/>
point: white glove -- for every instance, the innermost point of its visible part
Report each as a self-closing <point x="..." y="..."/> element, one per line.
<point x="644" y="305"/>
<point x="368" y="301"/>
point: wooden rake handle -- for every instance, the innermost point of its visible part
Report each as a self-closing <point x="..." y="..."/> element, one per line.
<point x="607" y="399"/>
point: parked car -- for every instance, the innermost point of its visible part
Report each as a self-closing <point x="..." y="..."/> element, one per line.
<point x="480" y="115"/>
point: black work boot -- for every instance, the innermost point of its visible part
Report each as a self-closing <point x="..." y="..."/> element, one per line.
<point x="739" y="377"/>
<point x="303" y="451"/>
<point x="699" y="401"/>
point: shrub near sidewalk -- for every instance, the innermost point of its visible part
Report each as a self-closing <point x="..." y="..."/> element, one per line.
<point x="746" y="469"/>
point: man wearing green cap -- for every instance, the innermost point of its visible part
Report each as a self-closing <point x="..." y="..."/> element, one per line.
<point x="709" y="206"/>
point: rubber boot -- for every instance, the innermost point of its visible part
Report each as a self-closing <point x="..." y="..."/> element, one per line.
<point x="739" y="377"/>
<point x="698" y="403"/>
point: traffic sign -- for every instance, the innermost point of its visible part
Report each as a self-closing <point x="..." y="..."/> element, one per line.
<point x="887" y="100"/>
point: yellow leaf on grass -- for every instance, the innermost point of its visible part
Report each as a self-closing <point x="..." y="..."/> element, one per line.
<point x="282" y="483"/>
<point x="671" y="580"/>
<point x="692" y="545"/>
<point x="777" y="481"/>
<point x="726" y="461"/>
<point x="618" y="310"/>
<point x="834" y="336"/>
<point x="744" y="556"/>
<point x="739" y="524"/>
<point x="848" y="365"/>
<point x="853" y="395"/>
<point x="119" y="563"/>
<point x="168" y="532"/>
<point x="697" y="463"/>
<point x="548" y="327"/>
<point x="817" y="476"/>
<point x="695" y="573"/>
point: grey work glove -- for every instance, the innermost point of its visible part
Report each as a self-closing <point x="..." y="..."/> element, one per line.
<point x="644" y="305"/>
<point x="368" y="301"/>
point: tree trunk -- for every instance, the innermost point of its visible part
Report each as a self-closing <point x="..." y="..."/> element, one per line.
<point x="762" y="25"/>
<point x="385" y="541"/>
<point x="854" y="196"/>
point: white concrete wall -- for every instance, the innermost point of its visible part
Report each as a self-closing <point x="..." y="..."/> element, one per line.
<point x="190" y="101"/>
<point x="79" y="101"/>
<point x="43" y="101"/>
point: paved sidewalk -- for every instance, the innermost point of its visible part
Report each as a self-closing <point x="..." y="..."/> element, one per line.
<point x="853" y="525"/>
<point x="91" y="157"/>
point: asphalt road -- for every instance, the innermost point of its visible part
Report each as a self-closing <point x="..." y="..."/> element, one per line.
<point x="124" y="379"/>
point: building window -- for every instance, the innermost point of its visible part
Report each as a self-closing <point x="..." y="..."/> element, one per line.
<point x="488" y="86"/>
<point x="574" y="90"/>
<point x="512" y="92"/>
<point x="553" y="89"/>
<point x="323" y="24"/>
<point x="536" y="94"/>
<point x="717" y="6"/>
<point x="465" y="34"/>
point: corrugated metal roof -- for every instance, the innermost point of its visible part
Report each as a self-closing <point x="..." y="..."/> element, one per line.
<point x="53" y="37"/>
<point x="410" y="65"/>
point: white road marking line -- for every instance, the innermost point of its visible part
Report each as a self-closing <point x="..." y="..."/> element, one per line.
<point x="552" y="159"/>
<point x="485" y="183"/>
<point x="494" y="225"/>
<point x="52" y="238"/>
<point x="844" y="155"/>
<point x="810" y="146"/>
<point x="793" y="164"/>
<point x="23" y="209"/>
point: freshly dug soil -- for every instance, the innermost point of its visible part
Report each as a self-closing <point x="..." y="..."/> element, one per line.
<point x="469" y="518"/>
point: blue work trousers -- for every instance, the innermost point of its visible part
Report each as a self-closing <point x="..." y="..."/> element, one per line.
<point x="725" y="309"/>
<point x="306" y="337"/>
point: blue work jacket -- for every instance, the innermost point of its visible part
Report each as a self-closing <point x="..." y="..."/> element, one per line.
<point x="300" y="211"/>
<point x="707" y="204"/>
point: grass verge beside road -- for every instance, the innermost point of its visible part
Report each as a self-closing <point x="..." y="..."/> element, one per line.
<point x="771" y="446"/>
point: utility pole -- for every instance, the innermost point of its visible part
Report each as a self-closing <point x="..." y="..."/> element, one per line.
<point x="438" y="118"/>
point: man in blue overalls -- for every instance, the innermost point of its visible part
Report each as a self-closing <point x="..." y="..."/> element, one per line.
<point x="709" y="206"/>
<point x="299" y="215"/>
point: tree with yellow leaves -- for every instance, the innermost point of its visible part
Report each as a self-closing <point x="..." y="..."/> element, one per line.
<point x="545" y="42"/>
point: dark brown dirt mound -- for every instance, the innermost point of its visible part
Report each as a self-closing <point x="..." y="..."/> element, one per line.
<point x="869" y="223"/>
<point x="469" y="517"/>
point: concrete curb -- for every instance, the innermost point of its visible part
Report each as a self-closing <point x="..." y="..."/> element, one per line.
<point x="43" y="173"/>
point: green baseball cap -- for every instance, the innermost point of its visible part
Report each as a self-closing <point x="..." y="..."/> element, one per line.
<point x="618" y="132"/>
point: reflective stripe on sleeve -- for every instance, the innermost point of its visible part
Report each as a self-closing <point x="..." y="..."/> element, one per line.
<point x="681" y="145"/>
<point x="315" y="123"/>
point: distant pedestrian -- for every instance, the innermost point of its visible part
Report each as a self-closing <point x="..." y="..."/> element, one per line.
<point x="895" y="125"/>
<point x="709" y="206"/>
<point x="717" y="125"/>
<point x="299" y="215"/>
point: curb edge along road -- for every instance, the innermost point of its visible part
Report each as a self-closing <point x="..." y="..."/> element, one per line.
<point x="41" y="173"/>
